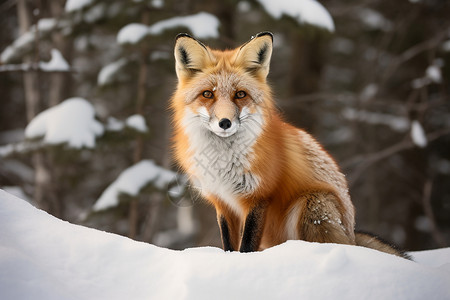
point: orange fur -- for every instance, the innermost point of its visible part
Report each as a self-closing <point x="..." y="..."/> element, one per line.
<point x="268" y="181"/>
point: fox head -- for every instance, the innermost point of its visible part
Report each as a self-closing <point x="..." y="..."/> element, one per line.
<point x="223" y="91"/>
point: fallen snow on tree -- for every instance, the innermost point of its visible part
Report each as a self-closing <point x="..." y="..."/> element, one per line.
<point x="433" y="72"/>
<point x="132" y="33"/>
<point x="108" y="73"/>
<point x="132" y="181"/>
<point x="373" y="19"/>
<point x="202" y="25"/>
<point x="74" y="5"/>
<point x="446" y="46"/>
<point x="72" y="122"/>
<point x="305" y="11"/>
<point x="56" y="63"/>
<point x="397" y="123"/>
<point x="137" y="122"/>
<point x="42" y="257"/>
<point x="418" y="134"/>
<point x="114" y="124"/>
<point x="25" y="42"/>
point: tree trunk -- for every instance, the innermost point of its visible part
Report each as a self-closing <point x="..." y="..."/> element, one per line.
<point x="30" y="78"/>
<point x="59" y="88"/>
<point x="44" y="192"/>
<point x="139" y="142"/>
<point x="305" y="73"/>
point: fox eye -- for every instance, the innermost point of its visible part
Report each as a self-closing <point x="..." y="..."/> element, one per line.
<point x="240" y="94"/>
<point x="207" y="94"/>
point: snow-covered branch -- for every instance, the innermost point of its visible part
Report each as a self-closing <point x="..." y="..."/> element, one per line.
<point x="72" y="122"/>
<point x="133" y="180"/>
<point x="202" y="25"/>
<point x="57" y="63"/>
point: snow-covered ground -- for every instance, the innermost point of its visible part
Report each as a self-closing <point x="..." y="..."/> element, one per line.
<point x="42" y="257"/>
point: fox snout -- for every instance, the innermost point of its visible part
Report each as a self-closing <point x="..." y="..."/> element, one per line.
<point x="225" y="110"/>
<point x="225" y="123"/>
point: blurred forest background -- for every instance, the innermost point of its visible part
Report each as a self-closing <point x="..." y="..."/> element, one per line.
<point x="374" y="91"/>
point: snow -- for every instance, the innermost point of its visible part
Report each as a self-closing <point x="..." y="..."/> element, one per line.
<point x="157" y="3"/>
<point x="244" y="6"/>
<point x="160" y="55"/>
<point x="433" y="72"/>
<point x="397" y="123"/>
<point x="19" y="45"/>
<point x="423" y="223"/>
<point x="374" y="20"/>
<point x="56" y="63"/>
<point x="72" y="122"/>
<point x="16" y="191"/>
<point x="95" y="13"/>
<point x="202" y="25"/>
<point x="420" y="82"/>
<point x="343" y="45"/>
<point x="26" y="41"/>
<point x="74" y="5"/>
<point x="137" y="122"/>
<point x="132" y="33"/>
<point x="42" y="257"/>
<point x="132" y="181"/>
<point x="446" y="46"/>
<point x="418" y="134"/>
<point x="108" y="72"/>
<point x="305" y="11"/>
<point x="46" y="24"/>
<point x="369" y="92"/>
<point x="114" y="125"/>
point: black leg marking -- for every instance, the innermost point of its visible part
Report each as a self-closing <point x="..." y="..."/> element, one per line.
<point x="225" y="231"/>
<point x="252" y="231"/>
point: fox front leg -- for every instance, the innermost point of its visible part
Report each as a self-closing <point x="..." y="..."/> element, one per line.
<point x="253" y="229"/>
<point x="225" y="234"/>
<point x="229" y="225"/>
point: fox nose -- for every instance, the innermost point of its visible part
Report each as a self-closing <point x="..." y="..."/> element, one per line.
<point x="224" y="124"/>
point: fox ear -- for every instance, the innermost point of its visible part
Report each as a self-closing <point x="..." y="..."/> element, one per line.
<point x="191" y="56"/>
<point x="255" y="55"/>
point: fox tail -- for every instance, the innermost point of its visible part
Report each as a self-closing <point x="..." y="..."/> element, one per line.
<point x="369" y="240"/>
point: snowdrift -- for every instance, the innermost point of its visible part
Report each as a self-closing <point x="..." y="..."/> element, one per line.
<point x="42" y="257"/>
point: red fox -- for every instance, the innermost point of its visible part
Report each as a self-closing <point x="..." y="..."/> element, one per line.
<point x="268" y="181"/>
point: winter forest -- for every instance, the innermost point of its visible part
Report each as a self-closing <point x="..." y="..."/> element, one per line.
<point x="84" y="120"/>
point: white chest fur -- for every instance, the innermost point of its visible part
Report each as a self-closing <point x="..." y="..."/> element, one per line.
<point x="221" y="165"/>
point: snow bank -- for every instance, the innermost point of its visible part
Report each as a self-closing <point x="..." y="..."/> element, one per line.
<point x="305" y="11"/>
<point x="72" y="122"/>
<point x="132" y="181"/>
<point x="202" y="25"/>
<point x="42" y="257"/>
